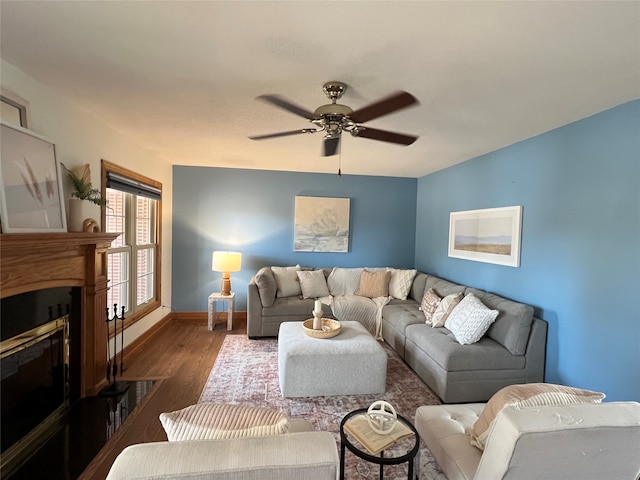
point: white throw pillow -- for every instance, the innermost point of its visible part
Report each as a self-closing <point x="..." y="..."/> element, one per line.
<point x="400" y="283"/>
<point x="444" y="308"/>
<point x="470" y="320"/>
<point x="344" y="281"/>
<point x="287" y="281"/>
<point x="211" y="421"/>
<point x="527" y="395"/>
<point x="312" y="283"/>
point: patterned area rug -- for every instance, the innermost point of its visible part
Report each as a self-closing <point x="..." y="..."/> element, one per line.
<point x="246" y="372"/>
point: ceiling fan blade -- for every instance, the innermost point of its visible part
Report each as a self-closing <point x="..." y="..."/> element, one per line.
<point x="386" y="105"/>
<point x="282" y="134"/>
<point x="385" y="136"/>
<point x="282" y="102"/>
<point x="331" y="146"/>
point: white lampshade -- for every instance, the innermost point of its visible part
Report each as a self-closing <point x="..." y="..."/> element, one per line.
<point x="226" y="261"/>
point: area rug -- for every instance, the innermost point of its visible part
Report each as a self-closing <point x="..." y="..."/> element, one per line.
<point x="246" y="372"/>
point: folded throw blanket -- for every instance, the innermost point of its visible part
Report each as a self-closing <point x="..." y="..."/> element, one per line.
<point x="367" y="311"/>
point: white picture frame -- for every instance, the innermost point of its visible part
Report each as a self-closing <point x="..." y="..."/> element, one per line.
<point x="490" y="235"/>
<point x="30" y="183"/>
<point x="321" y="224"/>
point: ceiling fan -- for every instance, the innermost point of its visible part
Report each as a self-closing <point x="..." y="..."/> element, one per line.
<point x="335" y="118"/>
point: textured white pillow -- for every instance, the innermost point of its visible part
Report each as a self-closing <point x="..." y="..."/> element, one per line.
<point x="470" y="320"/>
<point x="287" y="281"/>
<point x="527" y="395"/>
<point x="444" y="308"/>
<point x="211" y="421"/>
<point x="344" y="281"/>
<point x="312" y="283"/>
<point x="400" y="283"/>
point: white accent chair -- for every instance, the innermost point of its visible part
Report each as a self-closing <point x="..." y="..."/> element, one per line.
<point x="585" y="442"/>
<point x="292" y="456"/>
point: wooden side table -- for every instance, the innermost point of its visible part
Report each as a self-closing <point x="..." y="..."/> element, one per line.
<point x="218" y="297"/>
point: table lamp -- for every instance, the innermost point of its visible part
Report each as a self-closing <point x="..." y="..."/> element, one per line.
<point x="226" y="262"/>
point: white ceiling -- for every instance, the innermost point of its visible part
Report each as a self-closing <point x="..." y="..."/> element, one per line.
<point x="180" y="78"/>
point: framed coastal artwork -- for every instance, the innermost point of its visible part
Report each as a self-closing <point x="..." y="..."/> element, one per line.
<point x="30" y="183"/>
<point x="321" y="224"/>
<point x="490" y="235"/>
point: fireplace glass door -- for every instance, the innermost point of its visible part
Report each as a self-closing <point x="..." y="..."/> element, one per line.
<point x="34" y="388"/>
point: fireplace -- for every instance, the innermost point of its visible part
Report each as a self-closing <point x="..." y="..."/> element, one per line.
<point x="35" y="359"/>
<point x="54" y="293"/>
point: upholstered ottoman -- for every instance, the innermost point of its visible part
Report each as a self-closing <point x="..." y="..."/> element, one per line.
<point x="352" y="362"/>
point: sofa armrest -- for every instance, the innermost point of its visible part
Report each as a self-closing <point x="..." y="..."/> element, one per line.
<point x="308" y="455"/>
<point x="597" y="440"/>
<point x="254" y="310"/>
<point x="535" y="355"/>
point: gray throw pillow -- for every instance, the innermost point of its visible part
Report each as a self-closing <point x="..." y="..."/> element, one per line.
<point x="313" y="283"/>
<point x="267" y="288"/>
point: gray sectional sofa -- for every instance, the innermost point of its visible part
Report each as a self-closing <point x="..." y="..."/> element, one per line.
<point x="511" y="352"/>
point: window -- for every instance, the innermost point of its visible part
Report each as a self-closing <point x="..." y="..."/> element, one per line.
<point x="133" y="210"/>
<point x="14" y="110"/>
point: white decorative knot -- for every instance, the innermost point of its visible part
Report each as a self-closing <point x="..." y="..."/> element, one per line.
<point x="382" y="417"/>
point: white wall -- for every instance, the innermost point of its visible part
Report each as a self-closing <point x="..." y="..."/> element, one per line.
<point x="81" y="138"/>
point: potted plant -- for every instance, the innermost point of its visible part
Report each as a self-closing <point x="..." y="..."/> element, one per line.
<point x="83" y="200"/>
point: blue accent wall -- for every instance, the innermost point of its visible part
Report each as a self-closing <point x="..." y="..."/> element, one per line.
<point x="579" y="186"/>
<point x="252" y="211"/>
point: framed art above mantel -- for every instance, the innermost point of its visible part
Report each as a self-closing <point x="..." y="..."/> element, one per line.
<point x="491" y="235"/>
<point x="30" y="183"/>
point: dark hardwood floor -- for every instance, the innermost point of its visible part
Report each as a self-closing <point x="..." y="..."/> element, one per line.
<point x="180" y="356"/>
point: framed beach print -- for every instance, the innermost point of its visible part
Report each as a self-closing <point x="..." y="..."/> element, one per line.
<point x="321" y="224"/>
<point x="490" y="235"/>
<point x="30" y="183"/>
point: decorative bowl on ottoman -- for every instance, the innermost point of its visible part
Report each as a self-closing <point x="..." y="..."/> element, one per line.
<point x="330" y="328"/>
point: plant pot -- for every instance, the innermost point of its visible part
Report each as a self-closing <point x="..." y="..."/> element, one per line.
<point x="79" y="211"/>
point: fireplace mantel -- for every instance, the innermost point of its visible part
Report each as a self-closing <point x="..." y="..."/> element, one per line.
<point x="35" y="261"/>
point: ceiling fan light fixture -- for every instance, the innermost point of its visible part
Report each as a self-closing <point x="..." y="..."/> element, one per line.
<point x="333" y="109"/>
<point x="334" y="90"/>
<point x="335" y="118"/>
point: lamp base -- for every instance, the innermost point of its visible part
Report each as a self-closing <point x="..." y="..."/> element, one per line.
<point x="225" y="289"/>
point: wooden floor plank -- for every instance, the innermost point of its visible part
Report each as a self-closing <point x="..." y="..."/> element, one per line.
<point x="181" y="354"/>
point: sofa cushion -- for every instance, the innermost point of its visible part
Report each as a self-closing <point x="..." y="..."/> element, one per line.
<point x="442" y="347"/>
<point x="429" y="304"/>
<point x="418" y="286"/>
<point x="443" y="287"/>
<point x="313" y="283"/>
<point x="401" y="313"/>
<point x="212" y="421"/>
<point x="374" y="284"/>
<point x="444" y="309"/>
<point x="344" y="281"/>
<point x="400" y="283"/>
<point x="287" y="281"/>
<point x="528" y="395"/>
<point x="513" y="325"/>
<point x="267" y="288"/>
<point x="292" y="307"/>
<point x="470" y="320"/>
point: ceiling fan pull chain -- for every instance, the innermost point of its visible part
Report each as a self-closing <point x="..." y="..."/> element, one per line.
<point x="340" y="160"/>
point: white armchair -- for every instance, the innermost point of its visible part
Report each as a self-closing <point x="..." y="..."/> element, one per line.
<point x="586" y="441"/>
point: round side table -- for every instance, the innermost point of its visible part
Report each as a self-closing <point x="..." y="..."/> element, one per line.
<point x="361" y="451"/>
